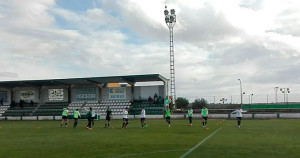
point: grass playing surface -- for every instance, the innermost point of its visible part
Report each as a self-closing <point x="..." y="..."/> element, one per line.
<point x="255" y="138"/>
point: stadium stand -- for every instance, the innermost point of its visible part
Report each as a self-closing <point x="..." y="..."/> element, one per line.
<point x="150" y="108"/>
<point x="116" y="106"/>
<point x="50" y="109"/>
<point x="52" y="95"/>
<point x="16" y="110"/>
<point x="3" y="109"/>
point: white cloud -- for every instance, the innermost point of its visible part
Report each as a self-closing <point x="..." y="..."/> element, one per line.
<point x="216" y="42"/>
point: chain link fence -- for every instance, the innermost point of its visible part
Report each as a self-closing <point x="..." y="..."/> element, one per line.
<point x="280" y="98"/>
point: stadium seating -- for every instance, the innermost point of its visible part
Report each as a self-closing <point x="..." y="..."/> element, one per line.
<point x="3" y="109"/>
<point x="18" y="111"/>
<point x="150" y="108"/>
<point x="116" y="106"/>
<point x="50" y="109"/>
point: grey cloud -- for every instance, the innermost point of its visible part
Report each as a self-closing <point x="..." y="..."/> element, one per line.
<point x="252" y="4"/>
<point x="288" y="22"/>
<point x="204" y="25"/>
<point x="207" y="63"/>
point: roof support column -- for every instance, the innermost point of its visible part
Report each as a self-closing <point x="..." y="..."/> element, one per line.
<point x="69" y="94"/>
<point x="132" y="91"/>
<point x="166" y="88"/>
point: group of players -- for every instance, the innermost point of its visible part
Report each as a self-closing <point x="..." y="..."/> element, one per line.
<point x="167" y="113"/>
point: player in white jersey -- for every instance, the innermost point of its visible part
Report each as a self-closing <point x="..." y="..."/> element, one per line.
<point x="93" y="117"/>
<point x="143" y="118"/>
<point x="125" y="118"/>
<point x="239" y="115"/>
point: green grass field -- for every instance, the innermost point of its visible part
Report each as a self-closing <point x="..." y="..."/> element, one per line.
<point x="255" y="139"/>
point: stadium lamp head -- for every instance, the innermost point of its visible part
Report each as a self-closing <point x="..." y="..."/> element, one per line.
<point x="173" y="11"/>
<point x="166" y="12"/>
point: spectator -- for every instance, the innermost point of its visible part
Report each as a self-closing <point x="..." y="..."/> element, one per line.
<point x="31" y="103"/>
<point x="160" y="100"/>
<point x="1" y="102"/>
<point x="150" y="100"/>
<point x="21" y="104"/>
<point x="155" y="99"/>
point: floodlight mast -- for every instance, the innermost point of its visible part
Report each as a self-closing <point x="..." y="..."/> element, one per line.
<point x="170" y="20"/>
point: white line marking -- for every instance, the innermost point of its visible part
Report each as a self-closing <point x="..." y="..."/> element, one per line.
<point x="163" y="151"/>
<point x="196" y="146"/>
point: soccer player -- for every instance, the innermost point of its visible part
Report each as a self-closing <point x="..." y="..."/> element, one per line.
<point x="93" y="117"/>
<point x="65" y="117"/>
<point x="143" y="118"/>
<point x="76" y="116"/>
<point x="168" y="115"/>
<point x="125" y="118"/>
<point x="108" y="115"/>
<point x="89" y="116"/>
<point x="239" y="115"/>
<point x="204" y="114"/>
<point x="190" y="115"/>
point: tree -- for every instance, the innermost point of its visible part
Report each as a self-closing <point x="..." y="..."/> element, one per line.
<point x="198" y="103"/>
<point x="181" y="103"/>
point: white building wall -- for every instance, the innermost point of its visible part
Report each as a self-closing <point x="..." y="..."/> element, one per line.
<point x="146" y="91"/>
<point x="73" y="97"/>
<point x="17" y="93"/>
<point x="45" y="95"/>
<point x="105" y="93"/>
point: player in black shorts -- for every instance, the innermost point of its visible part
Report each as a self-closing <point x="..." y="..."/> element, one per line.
<point x="65" y="117"/>
<point x="108" y="115"/>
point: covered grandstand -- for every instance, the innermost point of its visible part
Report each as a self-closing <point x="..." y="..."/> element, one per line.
<point x="34" y="98"/>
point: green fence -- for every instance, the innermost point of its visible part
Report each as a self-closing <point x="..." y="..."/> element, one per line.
<point x="276" y="106"/>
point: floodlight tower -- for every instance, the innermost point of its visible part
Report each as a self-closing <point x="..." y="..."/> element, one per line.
<point x="170" y="21"/>
<point x="223" y="100"/>
<point x="285" y="92"/>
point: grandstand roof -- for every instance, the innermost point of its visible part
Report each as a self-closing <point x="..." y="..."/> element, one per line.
<point x="85" y="81"/>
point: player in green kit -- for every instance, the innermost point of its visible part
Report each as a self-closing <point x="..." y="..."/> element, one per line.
<point x="108" y="115"/>
<point x="168" y="115"/>
<point x="64" y="117"/>
<point x="204" y="114"/>
<point x="190" y="115"/>
<point x="76" y="116"/>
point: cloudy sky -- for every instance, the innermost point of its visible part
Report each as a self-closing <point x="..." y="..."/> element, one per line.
<point x="216" y="42"/>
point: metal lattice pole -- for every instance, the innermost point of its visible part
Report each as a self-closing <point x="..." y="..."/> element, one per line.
<point x="170" y="21"/>
<point x="172" y="66"/>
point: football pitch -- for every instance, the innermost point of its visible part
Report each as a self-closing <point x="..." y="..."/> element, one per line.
<point x="255" y="139"/>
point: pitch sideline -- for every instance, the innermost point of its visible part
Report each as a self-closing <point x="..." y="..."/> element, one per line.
<point x="196" y="146"/>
